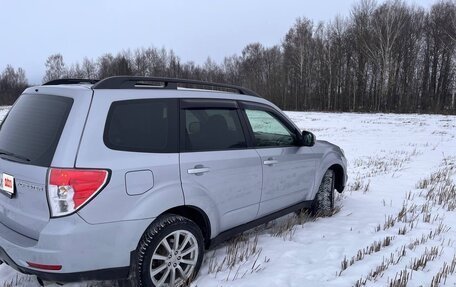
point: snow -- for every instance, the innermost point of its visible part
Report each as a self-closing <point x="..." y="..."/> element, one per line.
<point x="388" y="216"/>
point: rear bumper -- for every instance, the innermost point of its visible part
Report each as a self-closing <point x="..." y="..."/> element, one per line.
<point x="85" y="251"/>
<point x="103" y="274"/>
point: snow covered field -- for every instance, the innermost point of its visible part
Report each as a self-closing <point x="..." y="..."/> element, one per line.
<point x="395" y="225"/>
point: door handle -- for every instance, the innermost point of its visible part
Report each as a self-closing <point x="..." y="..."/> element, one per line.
<point x="198" y="170"/>
<point x="270" y="161"/>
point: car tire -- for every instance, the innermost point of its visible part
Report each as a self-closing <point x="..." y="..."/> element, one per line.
<point x="159" y="258"/>
<point x="323" y="204"/>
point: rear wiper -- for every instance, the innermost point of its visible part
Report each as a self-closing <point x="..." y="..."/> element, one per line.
<point x="20" y="157"/>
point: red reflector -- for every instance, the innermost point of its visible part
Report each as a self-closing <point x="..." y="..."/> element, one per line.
<point x="44" y="267"/>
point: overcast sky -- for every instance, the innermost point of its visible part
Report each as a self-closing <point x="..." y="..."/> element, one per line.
<point x="195" y="29"/>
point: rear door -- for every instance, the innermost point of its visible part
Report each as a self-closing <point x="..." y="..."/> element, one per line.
<point x="216" y="163"/>
<point x="29" y="136"/>
<point x="288" y="167"/>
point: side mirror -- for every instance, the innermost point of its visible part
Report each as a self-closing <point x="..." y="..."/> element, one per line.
<point x="308" y="138"/>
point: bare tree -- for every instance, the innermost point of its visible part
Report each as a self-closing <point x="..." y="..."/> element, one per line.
<point x="88" y="69"/>
<point x="55" y="68"/>
<point x="12" y="83"/>
<point x="298" y="60"/>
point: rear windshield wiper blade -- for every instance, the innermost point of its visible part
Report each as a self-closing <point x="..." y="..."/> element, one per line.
<point x="20" y="157"/>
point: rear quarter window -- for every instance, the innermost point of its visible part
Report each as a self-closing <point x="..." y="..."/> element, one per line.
<point x="142" y="126"/>
<point x="33" y="127"/>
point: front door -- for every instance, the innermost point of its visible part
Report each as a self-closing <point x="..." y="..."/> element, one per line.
<point x="288" y="167"/>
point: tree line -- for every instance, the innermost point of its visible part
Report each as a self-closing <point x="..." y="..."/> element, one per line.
<point x="389" y="57"/>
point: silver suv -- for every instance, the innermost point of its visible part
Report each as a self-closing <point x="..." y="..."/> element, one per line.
<point x="131" y="178"/>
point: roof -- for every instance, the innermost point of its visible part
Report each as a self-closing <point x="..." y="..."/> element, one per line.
<point x="134" y="82"/>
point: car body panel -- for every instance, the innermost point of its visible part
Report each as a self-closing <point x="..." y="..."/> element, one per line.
<point x="288" y="181"/>
<point x="27" y="212"/>
<point x="73" y="243"/>
<point x="233" y="183"/>
<point x="329" y="155"/>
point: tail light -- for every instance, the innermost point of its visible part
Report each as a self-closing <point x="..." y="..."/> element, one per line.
<point x="70" y="189"/>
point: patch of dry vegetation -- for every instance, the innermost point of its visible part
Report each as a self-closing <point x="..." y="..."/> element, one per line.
<point x="438" y="191"/>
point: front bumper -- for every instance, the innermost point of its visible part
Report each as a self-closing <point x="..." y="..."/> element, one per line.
<point x="85" y="251"/>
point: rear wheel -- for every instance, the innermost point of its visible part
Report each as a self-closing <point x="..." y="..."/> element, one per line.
<point x="170" y="253"/>
<point x="323" y="204"/>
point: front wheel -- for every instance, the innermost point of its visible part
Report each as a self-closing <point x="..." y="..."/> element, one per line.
<point x="323" y="204"/>
<point x="170" y="252"/>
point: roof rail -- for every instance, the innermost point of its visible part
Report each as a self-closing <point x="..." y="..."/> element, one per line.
<point x="132" y="82"/>
<point x="70" y="81"/>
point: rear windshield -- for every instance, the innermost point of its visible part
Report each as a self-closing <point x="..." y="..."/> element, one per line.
<point x="32" y="129"/>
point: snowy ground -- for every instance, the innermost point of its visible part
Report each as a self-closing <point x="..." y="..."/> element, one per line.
<point x="396" y="224"/>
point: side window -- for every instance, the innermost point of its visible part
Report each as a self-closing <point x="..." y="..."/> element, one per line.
<point x="212" y="129"/>
<point x="268" y="130"/>
<point x="142" y="126"/>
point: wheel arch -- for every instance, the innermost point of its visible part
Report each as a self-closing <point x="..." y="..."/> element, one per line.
<point x="195" y="214"/>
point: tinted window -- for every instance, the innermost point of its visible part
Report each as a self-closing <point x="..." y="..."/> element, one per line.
<point x="268" y="130"/>
<point x="32" y="128"/>
<point x="143" y="126"/>
<point x="212" y="129"/>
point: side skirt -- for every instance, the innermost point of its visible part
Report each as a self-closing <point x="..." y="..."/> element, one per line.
<point x="224" y="236"/>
